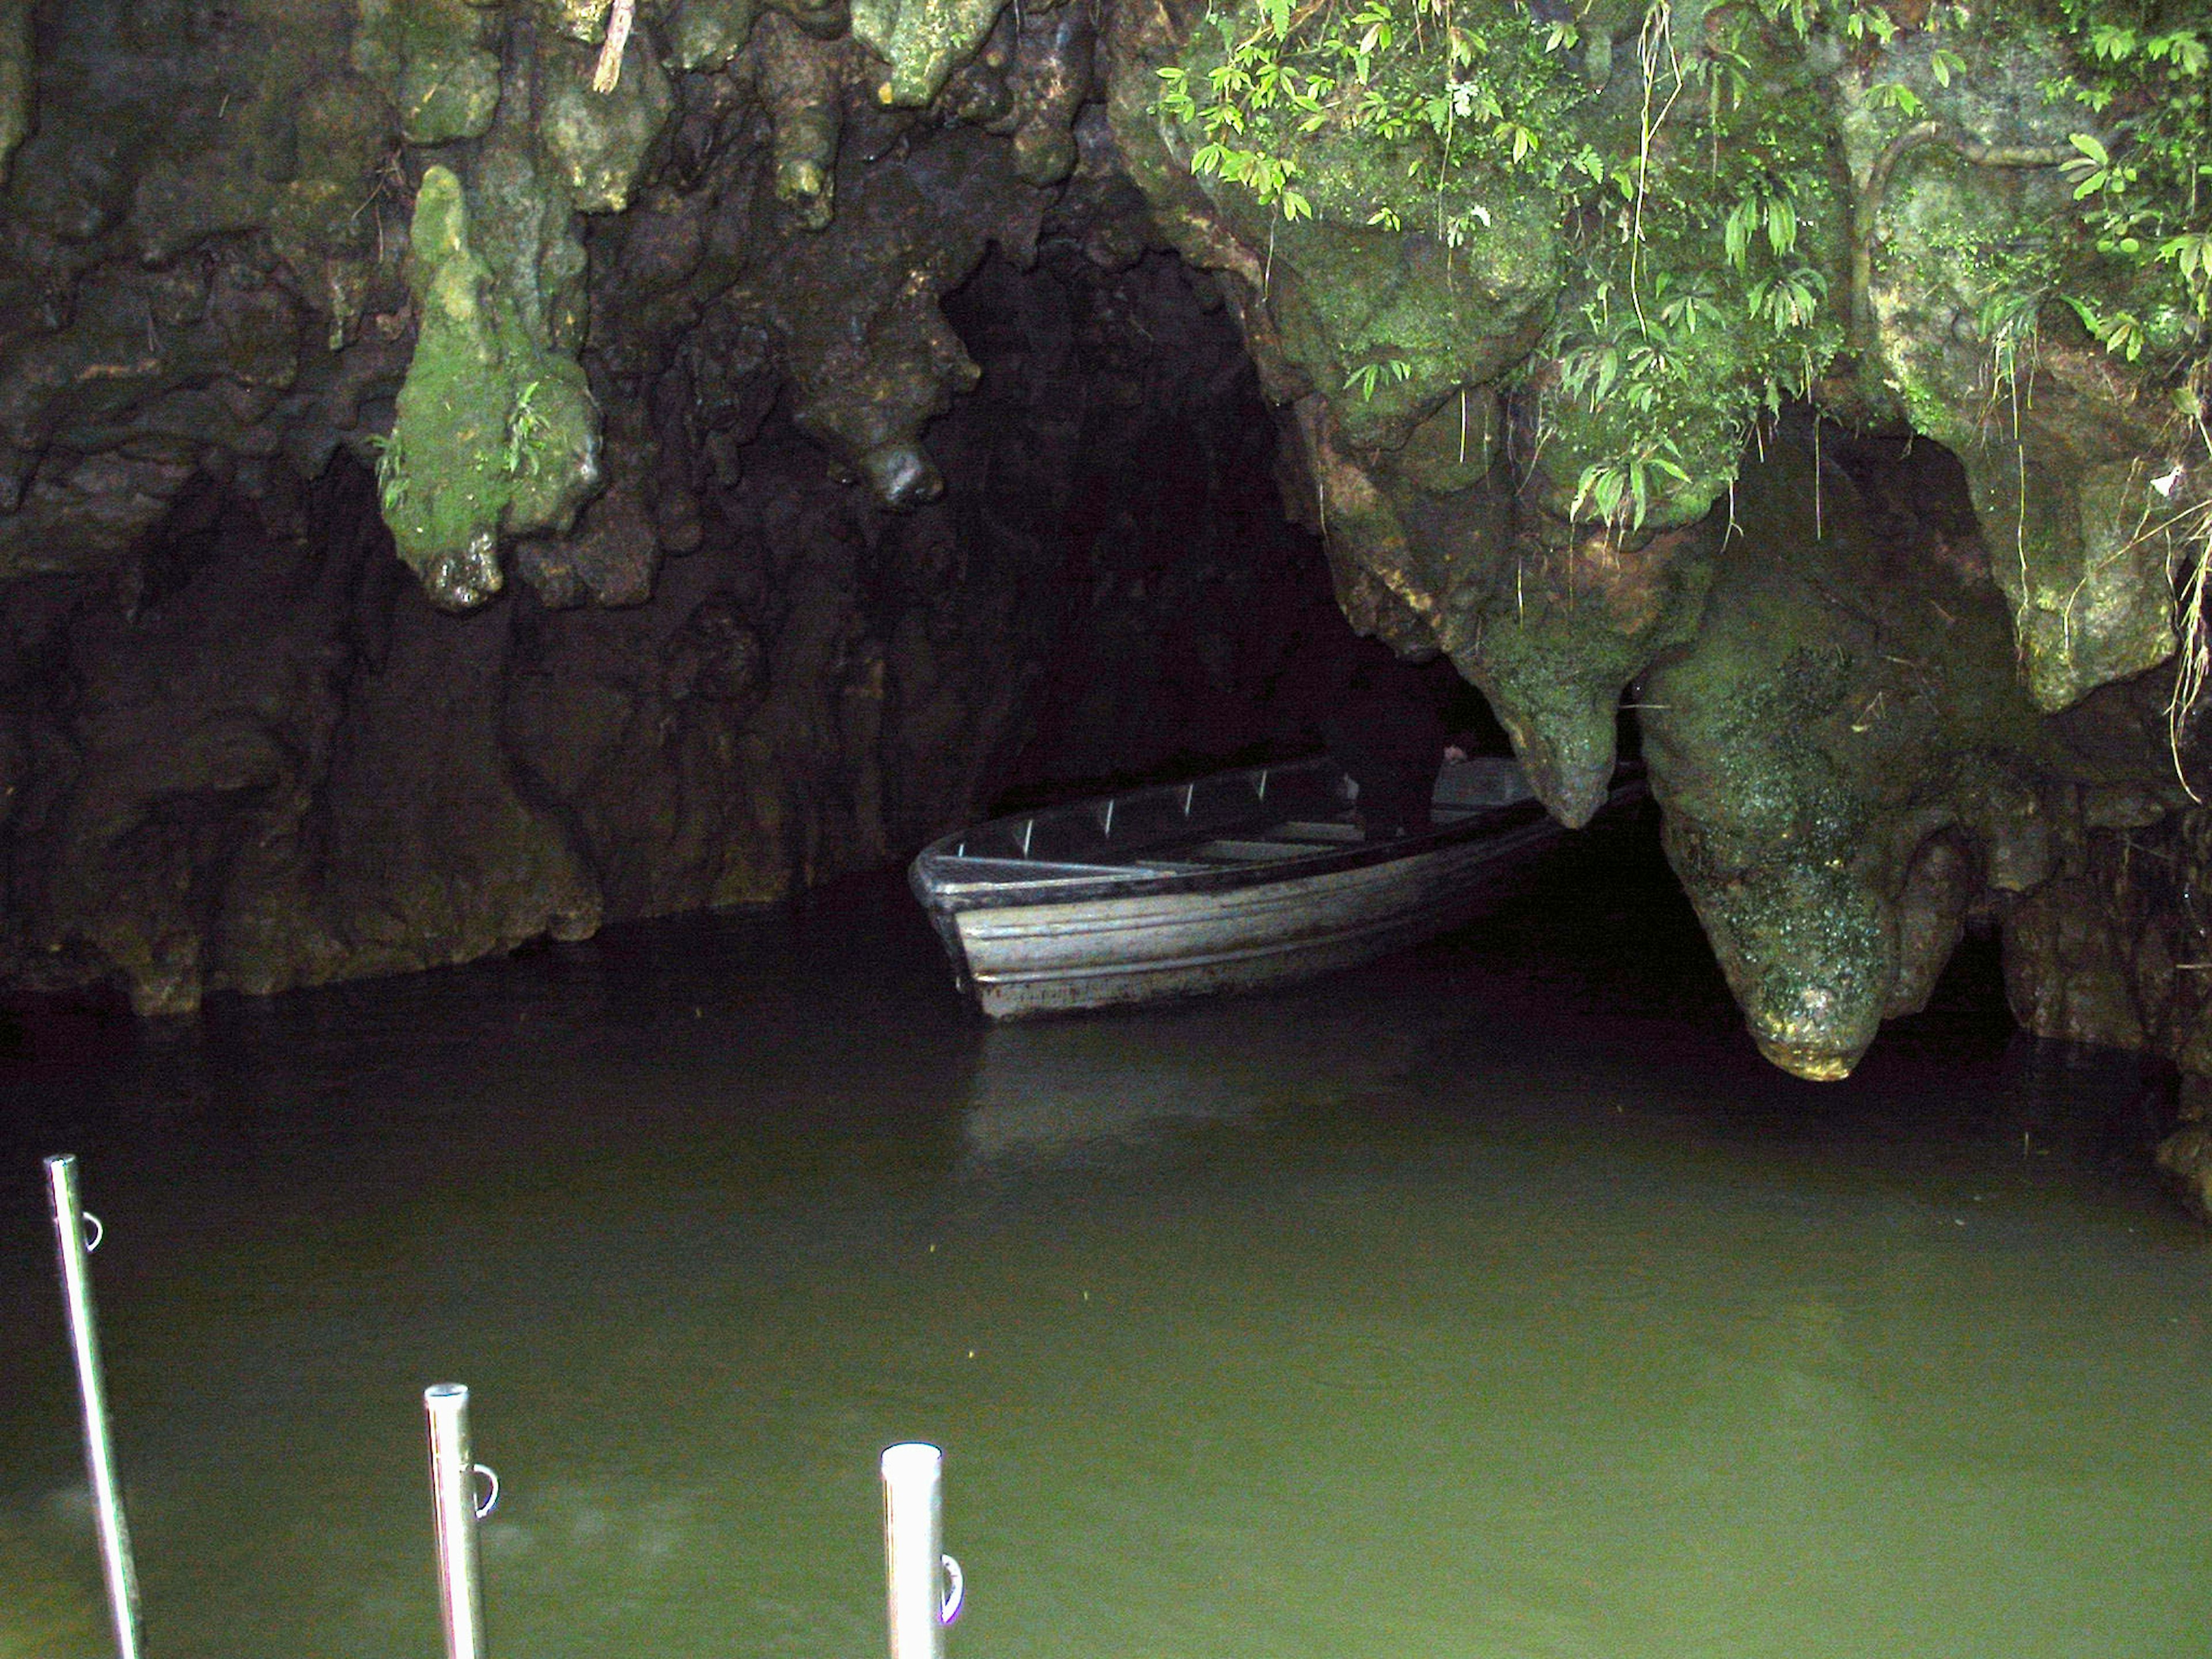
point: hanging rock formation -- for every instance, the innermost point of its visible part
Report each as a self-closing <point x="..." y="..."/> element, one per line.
<point x="1543" y="374"/>
<point x="1824" y="380"/>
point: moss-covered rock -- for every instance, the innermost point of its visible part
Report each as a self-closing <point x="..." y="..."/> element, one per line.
<point x="494" y="433"/>
<point x="16" y="60"/>
<point x="599" y="142"/>
<point x="922" y="42"/>
<point x="1843" y="729"/>
<point x="705" y="34"/>
<point x="1963" y="221"/>
<point x="432" y="59"/>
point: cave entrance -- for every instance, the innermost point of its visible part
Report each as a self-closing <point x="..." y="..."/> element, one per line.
<point x="1119" y="435"/>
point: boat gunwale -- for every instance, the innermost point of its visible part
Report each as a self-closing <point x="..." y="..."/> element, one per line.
<point x="941" y="895"/>
<point x="1290" y="891"/>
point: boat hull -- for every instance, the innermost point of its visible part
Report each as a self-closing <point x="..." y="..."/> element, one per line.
<point x="1058" y="958"/>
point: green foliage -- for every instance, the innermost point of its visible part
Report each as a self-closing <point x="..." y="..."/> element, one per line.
<point x="1774" y="212"/>
<point x="391" y="472"/>
<point x="1696" y="297"/>
<point x="526" y="423"/>
<point x="1460" y="96"/>
<point x="1364" y="379"/>
<point x="1706" y="234"/>
<point x="2143" y="179"/>
<point x="1621" y="489"/>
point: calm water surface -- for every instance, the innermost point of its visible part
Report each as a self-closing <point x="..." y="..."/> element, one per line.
<point x="1495" y="1302"/>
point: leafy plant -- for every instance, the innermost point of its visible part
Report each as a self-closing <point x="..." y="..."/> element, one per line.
<point x="391" y="472"/>
<point x="1704" y="258"/>
<point x="1620" y="490"/>
<point x="2145" y="178"/>
<point x="1788" y="300"/>
<point x="1364" y="379"/>
<point x="1468" y="97"/>
<point x="524" y="423"/>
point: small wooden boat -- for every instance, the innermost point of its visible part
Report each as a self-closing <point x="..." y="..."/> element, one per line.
<point x="1243" y="878"/>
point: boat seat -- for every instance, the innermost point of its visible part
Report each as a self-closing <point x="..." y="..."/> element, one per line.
<point x="1317" y="833"/>
<point x="1245" y="852"/>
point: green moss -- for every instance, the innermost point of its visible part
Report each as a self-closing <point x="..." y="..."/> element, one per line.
<point x="17" y="64"/>
<point x="430" y="58"/>
<point x="597" y="141"/>
<point x="494" y="433"/>
<point x="922" y="41"/>
<point x="705" y="34"/>
<point x="1553" y="672"/>
<point x="1764" y="826"/>
<point x="1390" y="326"/>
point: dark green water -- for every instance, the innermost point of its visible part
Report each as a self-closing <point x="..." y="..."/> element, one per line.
<point x="1495" y="1302"/>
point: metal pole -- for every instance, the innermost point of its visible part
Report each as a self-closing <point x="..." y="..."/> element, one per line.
<point x="453" y="1507"/>
<point x="913" y="1551"/>
<point x="115" y="1562"/>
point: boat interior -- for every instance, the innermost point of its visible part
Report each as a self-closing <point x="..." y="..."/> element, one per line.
<point x="1256" y="816"/>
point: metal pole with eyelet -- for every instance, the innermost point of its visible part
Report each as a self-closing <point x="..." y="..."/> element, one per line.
<point x="455" y="1511"/>
<point x="925" y="1584"/>
<point x="69" y="1223"/>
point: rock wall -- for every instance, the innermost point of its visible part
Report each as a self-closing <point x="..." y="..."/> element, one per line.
<point x="259" y="756"/>
<point x="1824" y="378"/>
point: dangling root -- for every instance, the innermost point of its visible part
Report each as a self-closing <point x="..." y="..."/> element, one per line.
<point x="608" y="71"/>
<point x="2193" y="657"/>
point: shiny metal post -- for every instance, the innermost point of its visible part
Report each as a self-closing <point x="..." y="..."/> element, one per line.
<point x="913" y="1551"/>
<point x="453" y="1508"/>
<point x="99" y="1453"/>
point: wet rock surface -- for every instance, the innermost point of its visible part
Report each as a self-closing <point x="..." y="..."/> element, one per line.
<point x="470" y="471"/>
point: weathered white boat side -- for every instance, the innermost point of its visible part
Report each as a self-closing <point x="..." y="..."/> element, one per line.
<point x="1241" y="879"/>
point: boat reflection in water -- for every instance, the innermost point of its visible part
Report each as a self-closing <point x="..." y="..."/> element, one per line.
<point x="1053" y="1093"/>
